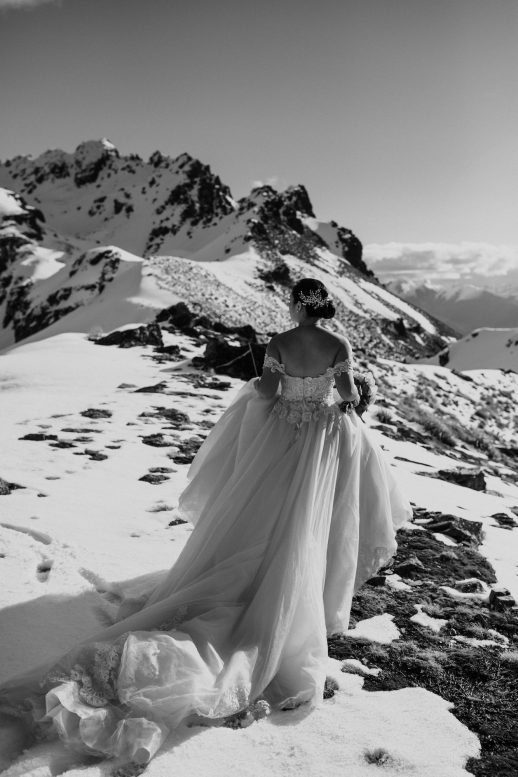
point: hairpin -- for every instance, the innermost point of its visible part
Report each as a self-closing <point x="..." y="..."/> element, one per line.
<point x="314" y="298"/>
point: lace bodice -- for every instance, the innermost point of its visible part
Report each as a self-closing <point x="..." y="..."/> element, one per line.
<point x="318" y="388"/>
<point x="306" y="398"/>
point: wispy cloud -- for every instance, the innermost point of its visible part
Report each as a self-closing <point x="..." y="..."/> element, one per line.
<point x="25" y="4"/>
<point x="274" y="181"/>
<point x="443" y="262"/>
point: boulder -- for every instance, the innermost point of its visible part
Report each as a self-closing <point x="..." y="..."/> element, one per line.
<point x="410" y="567"/>
<point x="504" y="520"/>
<point x="501" y="600"/>
<point x="150" y="334"/>
<point x="469" y="478"/>
<point x="238" y="361"/>
<point x="459" y="529"/>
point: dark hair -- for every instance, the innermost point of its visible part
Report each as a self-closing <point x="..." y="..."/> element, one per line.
<point x="308" y="287"/>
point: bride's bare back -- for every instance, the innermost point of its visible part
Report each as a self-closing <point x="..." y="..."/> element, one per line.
<point x="307" y="351"/>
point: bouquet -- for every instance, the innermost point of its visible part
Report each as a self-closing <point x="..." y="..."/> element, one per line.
<point x="366" y="385"/>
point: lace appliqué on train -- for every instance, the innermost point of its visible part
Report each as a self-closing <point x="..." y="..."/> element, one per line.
<point x="175" y="620"/>
<point x="234" y="699"/>
<point x="95" y="673"/>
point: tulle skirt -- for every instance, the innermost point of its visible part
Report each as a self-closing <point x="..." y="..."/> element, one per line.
<point x="289" y="521"/>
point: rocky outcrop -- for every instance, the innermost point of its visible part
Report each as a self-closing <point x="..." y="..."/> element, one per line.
<point x="464" y="477"/>
<point x="150" y="334"/>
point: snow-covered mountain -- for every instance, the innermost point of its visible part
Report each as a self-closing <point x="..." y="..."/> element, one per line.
<point x="482" y="349"/>
<point x="97" y="441"/>
<point x="463" y="307"/>
<point x="96" y="239"/>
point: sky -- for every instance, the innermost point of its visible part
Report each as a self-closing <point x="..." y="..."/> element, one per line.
<point x="399" y="116"/>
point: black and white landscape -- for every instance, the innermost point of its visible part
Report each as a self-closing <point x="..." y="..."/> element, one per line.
<point x="135" y="297"/>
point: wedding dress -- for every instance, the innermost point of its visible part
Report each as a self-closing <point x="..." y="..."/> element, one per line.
<point x="294" y="507"/>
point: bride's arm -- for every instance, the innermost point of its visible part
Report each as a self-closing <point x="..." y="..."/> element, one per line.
<point x="268" y="383"/>
<point x="344" y="380"/>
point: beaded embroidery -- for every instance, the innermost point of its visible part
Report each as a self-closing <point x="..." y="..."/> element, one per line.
<point x="308" y="398"/>
<point x="346" y="365"/>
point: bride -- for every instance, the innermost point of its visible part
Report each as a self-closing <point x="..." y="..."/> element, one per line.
<point x="294" y="507"/>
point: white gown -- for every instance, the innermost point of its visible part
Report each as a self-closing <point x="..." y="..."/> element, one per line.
<point x="294" y="506"/>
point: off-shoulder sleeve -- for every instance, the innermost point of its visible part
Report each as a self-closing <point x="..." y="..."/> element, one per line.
<point x="273" y="364"/>
<point x="346" y="365"/>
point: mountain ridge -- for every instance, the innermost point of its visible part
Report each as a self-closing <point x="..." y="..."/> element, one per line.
<point x="89" y="220"/>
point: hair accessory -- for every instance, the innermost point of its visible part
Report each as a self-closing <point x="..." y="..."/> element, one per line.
<point x="314" y="298"/>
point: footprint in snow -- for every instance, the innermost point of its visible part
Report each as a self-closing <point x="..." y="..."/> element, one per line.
<point x="43" y="570"/>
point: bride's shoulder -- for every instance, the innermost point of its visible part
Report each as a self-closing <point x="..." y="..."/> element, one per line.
<point x="341" y="342"/>
<point x="343" y="358"/>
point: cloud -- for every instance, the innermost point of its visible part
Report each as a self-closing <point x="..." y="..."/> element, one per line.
<point x="27" y="4"/>
<point x="274" y="181"/>
<point x="464" y="262"/>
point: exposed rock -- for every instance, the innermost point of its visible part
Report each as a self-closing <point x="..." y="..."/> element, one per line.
<point x="95" y="412"/>
<point x="459" y="529"/>
<point x="169" y="350"/>
<point x="501" y="600"/>
<point x="150" y="334"/>
<point x="95" y="455"/>
<point x="238" y="361"/>
<point x="176" y="522"/>
<point x="6" y="487"/>
<point x="161" y="469"/>
<point x="504" y="520"/>
<point x="175" y="417"/>
<point x="79" y="430"/>
<point x="411" y="567"/>
<point x="158" y="388"/>
<point x="377" y="581"/>
<point x="464" y="477"/>
<point x="187" y="450"/>
<point x="156" y="440"/>
<point x="38" y="436"/>
<point x="154" y="478"/>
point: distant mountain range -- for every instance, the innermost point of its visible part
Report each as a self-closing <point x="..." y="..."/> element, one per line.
<point x="463" y="307"/>
<point x="96" y="239"/>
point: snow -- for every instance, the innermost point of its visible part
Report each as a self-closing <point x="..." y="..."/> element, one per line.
<point x="99" y="524"/>
<point x="9" y="205"/>
<point x="485" y="348"/>
<point x="499" y="546"/>
<point x="405" y="308"/>
<point x="354" y="666"/>
<point x="435" y="624"/>
<point x="338" y="737"/>
<point x="379" y="628"/>
<point x="43" y="262"/>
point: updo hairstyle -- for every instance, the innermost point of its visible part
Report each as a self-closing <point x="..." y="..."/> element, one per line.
<point x="308" y="292"/>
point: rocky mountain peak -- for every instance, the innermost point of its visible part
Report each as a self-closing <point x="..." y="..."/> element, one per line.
<point x="90" y="158"/>
<point x="298" y="197"/>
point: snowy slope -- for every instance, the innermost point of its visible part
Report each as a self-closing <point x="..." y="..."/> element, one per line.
<point x="482" y="349"/>
<point x="99" y="523"/>
<point x="46" y="276"/>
